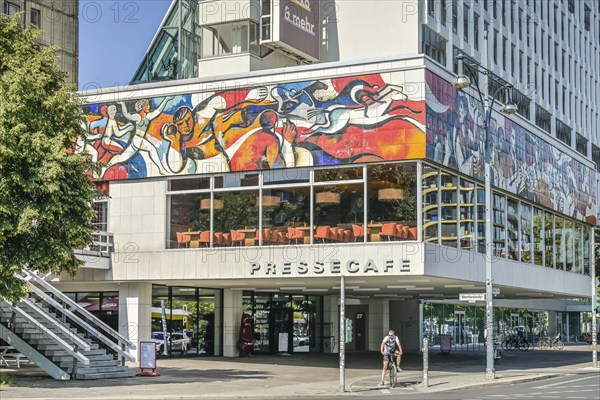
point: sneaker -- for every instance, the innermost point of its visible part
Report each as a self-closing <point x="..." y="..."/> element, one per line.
<point x="382" y="383"/>
<point x="398" y="369"/>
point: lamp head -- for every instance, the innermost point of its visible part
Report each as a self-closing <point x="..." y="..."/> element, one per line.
<point x="461" y="82"/>
<point x="509" y="108"/>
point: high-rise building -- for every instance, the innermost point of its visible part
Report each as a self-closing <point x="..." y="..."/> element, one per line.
<point x="269" y="147"/>
<point x="60" y="22"/>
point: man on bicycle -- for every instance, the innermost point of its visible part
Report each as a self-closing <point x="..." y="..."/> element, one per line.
<point x="390" y="345"/>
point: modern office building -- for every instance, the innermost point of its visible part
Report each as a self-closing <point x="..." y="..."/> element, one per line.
<point x="269" y="148"/>
<point x="60" y="22"/>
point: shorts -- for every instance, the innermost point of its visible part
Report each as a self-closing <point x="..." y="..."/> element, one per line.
<point x="385" y="356"/>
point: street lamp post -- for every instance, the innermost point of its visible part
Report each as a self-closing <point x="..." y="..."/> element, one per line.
<point x="463" y="81"/>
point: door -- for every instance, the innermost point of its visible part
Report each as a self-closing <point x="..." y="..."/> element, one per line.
<point x="282" y="332"/>
<point x="359" y="330"/>
<point x="460" y="331"/>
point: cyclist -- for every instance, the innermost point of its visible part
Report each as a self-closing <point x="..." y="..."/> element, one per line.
<point x="390" y="345"/>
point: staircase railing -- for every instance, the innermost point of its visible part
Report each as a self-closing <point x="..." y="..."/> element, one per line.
<point x="71" y="349"/>
<point x="112" y="339"/>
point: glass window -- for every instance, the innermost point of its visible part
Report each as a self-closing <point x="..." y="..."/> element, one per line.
<point x="481" y="220"/>
<point x="549" y="240"/>
<point x="392" y="201"/>
<point x="559" y="245"/>
<point x="449" y="209"/>
<point x="499" y="218"/>
<point x="467" y="215"/>
<point x="243" y="179"/>
<point x="525" y="232"/>
<point x="538" y="236"/>
<point x="35" y="18"/>
<point x="286" y="216"/>
<point x="586" y="250"/>
<point x="100" y="219"/>
<point x="577" y="242"/>
<point x="189" y="216"/>
<point x="568" y="239"/>
<point x="227" y="38"/>
<point x="11" y="9"/>
<point x="237" y="216"/>
<point x="338" y="174"/>
<point x="512" y="229"/>
<point x="286" y="176"/>
<point x="338" y="211"/>
<point x="189" y="184"/>
<point x="430" y="204"/>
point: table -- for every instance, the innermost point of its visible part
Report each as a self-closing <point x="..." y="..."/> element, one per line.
<point x="194" y="238"/>
<point x="5" y="352"/>
<point x="249" y="234"/>
<point x="375" y="230"/>
<point x="307" y="233"/>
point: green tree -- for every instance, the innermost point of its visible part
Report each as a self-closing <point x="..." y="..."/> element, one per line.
<point x="45" y="193"/>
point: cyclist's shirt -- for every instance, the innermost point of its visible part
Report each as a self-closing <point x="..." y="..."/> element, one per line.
<point x="391" y="344"/>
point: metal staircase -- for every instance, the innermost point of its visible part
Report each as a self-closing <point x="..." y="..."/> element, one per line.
<point x="60" y="336"/>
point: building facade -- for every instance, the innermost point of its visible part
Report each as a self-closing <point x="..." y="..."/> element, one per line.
<point x="314" y="144"/>
<point x="59" y="20"/>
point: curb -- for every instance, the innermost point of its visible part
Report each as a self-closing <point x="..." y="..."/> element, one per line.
<point x="497" y="381"/>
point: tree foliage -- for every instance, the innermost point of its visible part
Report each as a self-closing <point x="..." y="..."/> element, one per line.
<point x="45" y="193"/>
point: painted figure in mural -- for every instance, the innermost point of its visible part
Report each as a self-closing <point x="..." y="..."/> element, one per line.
<point x="140" y="142"/>
<point x="208" y="131"/>
<point x="460" y="154"/>
<point x="372" y="114"/>
<point x="115" y="136"/>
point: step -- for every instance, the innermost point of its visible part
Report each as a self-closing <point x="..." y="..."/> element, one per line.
<point x="65" y="362"/>
<point x="107" y="375"/>
<point x="92" y="370"/>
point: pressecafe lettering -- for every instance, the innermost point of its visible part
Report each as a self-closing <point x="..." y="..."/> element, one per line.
<point x="329" y="266"/>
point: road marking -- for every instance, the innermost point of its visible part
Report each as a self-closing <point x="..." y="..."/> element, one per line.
<point x="565" y="382"/>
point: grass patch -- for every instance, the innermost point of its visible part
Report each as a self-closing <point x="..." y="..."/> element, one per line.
<point x="6" y="381"/>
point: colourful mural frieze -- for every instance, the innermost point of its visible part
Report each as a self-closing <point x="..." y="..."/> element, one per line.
<point x="321" y="122"/>
<point x="521" y="162"/>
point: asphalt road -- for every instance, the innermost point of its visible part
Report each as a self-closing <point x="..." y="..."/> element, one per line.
<point x="580" y="386"/>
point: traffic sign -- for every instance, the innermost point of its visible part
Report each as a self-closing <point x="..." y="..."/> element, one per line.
<point x="471" y="296"/>
<point x="496" y="291"/>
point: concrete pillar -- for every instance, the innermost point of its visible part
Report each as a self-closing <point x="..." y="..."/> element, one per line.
<point x="379" y="322"/>
<point x="135" y="311"/>
<point x="232" y="314"/>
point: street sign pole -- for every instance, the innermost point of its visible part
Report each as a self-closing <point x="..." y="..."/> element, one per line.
<point x="342" y="336"/>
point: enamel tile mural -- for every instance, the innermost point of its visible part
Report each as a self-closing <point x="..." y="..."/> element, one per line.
<point x="521" y="162"/>
<point x="322" y="122"/>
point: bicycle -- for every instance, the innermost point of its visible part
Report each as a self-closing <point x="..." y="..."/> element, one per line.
<point x="556" y="343"/>
<point x="392" y="369"/>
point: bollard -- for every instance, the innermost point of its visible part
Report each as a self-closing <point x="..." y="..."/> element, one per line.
<point x="425" y="362"/>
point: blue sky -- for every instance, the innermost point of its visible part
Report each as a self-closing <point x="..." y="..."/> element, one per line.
<point x="113" y="37"/>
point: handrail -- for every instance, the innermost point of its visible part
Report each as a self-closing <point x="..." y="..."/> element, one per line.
<point x="120" y="338"/>
<point x="89" y="328"/>
<point x="66" y="346"/>
<point x="80" y="342"/>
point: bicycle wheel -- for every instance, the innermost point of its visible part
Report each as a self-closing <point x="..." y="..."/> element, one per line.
<point x="542" y="344"/>
<point x="559" y="344"/>
<point x="523" y="345"/>
<point x="393" y="376"/>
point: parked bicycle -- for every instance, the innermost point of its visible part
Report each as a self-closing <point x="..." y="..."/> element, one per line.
<point x="548" y="343"/>
<point x="517" y="342"/>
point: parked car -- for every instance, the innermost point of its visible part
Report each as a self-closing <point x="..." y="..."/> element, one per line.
<point x="177" y="341"/>
<point x="301" y="340"/>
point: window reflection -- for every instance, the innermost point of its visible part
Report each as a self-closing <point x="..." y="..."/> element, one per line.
<point x="236" y="218"/>
<point x="525" y="232"/>
<point x="568" y="239"/>
<point x="538" y="236"/>
<point x="512" y="229"/>
<point x="338" y="210"/>
<point x="392" y="194"/>
<point x="577" y="245"/>
<point x="559" y="245"/>
<point x="499" y="218"/>
<point x="286" y="216"/>
<point x="549" y="240"/>
<point x="430" y="204"/>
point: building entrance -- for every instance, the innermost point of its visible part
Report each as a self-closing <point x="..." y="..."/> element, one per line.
<point x="285" y="323"/>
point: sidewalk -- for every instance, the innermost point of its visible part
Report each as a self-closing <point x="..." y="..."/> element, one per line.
<point x="301" y="376"/>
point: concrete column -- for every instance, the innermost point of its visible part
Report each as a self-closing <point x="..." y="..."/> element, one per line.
<point x="232" y="314"/>
<point x="379" y="322"/>
<point x="135" y="311"/>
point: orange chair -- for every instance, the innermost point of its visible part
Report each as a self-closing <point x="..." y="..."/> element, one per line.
<point x="412" y="233"/>
<point x="295" y="235"/>
<point x="348" y="236"/>
<point x="405" y="232"/>
<point x="182" y="239"/>
<point x="204" y="238"/>
<point x="398" y="232"/>
<point x="336" y="234"/>
<point x="359" y="232"/>
<point x="388" y="231"/>
<point x="218" y="239"/>
<point x="237" y="238"/>
<point x="266" y="235"/>
<point x="226" y="239"/>
<point x="323" y="233"/>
